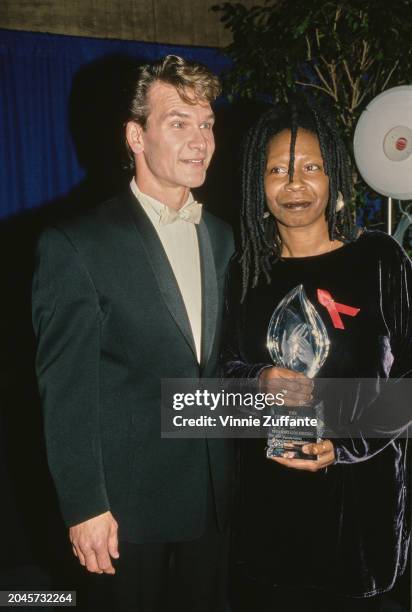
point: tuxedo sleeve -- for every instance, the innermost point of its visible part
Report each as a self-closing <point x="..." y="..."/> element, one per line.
<point x="66" y="320"/>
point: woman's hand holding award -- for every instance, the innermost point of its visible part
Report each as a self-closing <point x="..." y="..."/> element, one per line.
<point x="297" y="340"/>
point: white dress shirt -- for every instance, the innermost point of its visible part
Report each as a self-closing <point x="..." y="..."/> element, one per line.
<point x="179" y="240"/>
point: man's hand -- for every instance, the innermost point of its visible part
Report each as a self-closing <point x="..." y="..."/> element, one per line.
<point x="295" y="387"/>
<point x="324" y="450"/>
<point x="94" y="542"/>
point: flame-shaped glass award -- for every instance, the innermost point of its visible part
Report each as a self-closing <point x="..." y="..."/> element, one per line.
<point x="297" y="339"/>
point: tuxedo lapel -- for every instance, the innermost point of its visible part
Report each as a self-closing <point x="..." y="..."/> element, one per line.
<point x="163" y="271"/>
<point x="209" y="292"/>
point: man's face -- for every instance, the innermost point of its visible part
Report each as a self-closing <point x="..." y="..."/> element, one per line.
<point x="177" y="144"/>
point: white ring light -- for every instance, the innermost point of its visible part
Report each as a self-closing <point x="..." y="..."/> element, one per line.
<point x="383" y="143"/>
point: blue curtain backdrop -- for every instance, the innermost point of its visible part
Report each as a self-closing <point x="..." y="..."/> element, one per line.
<point x="39" y="158"/>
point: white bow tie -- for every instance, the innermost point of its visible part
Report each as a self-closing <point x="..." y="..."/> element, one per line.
<point x="191" y="213"/>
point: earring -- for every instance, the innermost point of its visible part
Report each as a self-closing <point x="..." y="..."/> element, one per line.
<point x="266" y="214"/>
<point x="340" y="202"/>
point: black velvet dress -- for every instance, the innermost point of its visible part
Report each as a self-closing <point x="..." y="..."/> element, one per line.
<point x="344" y="529"/>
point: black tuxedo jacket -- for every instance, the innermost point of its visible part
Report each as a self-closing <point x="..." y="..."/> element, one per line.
<point x="111" y="323"/>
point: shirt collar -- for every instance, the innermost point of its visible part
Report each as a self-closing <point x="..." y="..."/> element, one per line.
<point x="149" y="202"/>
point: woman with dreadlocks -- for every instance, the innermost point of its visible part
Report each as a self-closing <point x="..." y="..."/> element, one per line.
<point x="329" y="531"/>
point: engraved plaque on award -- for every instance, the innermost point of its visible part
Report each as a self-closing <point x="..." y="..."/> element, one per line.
<point x="297" y="339"/>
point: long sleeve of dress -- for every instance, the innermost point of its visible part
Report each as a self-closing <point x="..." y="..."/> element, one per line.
<point x="389" y="414"/>
<point x="233" y="362"/>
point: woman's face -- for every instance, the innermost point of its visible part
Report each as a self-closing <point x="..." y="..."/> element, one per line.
<point x="302" y="201"/>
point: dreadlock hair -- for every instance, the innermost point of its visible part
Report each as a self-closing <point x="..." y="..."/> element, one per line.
<point x="260" y="239"/>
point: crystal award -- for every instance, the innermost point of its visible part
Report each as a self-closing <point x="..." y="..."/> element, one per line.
<point x="297" y="339"/>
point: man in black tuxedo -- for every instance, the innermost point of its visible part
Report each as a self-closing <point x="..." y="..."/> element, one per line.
<point x="124" y="296"/>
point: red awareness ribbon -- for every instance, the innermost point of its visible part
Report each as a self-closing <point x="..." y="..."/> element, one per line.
<point x="334" y="308"/>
